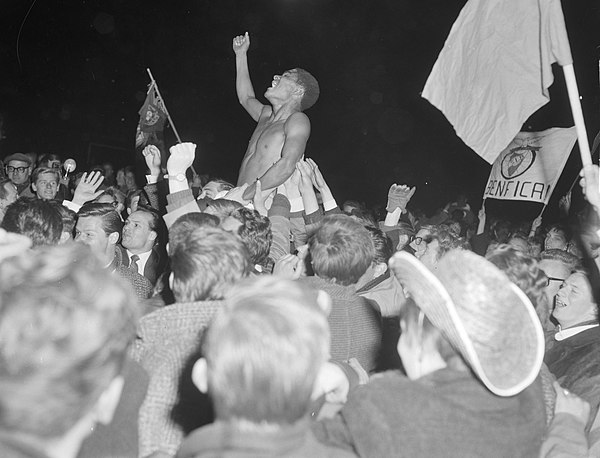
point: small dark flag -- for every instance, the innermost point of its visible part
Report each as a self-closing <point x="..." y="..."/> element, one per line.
<point x="153" y="116"/>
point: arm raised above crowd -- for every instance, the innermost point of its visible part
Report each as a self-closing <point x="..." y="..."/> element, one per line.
<point x="243" y="84"/>
<point x="87" y="189"/>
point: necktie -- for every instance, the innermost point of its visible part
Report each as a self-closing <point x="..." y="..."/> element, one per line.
<point x="134" y="263"/>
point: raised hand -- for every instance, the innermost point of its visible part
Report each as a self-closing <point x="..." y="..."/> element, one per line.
<point x="181" y="158"/>
<point x="317" y="177"/>
<point x="398" y="197"/>
<point x="87" y="189"/>
<point x="241" y="43"/>
<point x="289" y="266"/>
<point x="564" y="203"/>
<point x="152" y="155"/>
<point x="536" y="224"/>
<point x="237" y="194"/>
<point x="589" y="185"/>
<point x="260" y="198"/>
<point x="306" y="176"/>
<point x="292" y="185"/>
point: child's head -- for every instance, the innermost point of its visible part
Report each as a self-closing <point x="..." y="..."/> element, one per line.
<point x="263" y="352"/>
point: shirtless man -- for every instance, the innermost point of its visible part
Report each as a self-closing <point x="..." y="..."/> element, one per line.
<point x="279" y="140"/>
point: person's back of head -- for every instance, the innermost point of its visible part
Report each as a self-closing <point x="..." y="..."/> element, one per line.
<point x="206" y="264"/>
<point x="263" y="352"/>
<point x="221" y="208"/>
<point x="255" y="232"/>
<point x="37" y="219"/>
<point x="571" y="261"/>
<point x="523" y="270"/>
<point x="185" y="224"/>
<point x="65" y="329"/>
<point x="341" y="250"/>
<point x="68" y="217"/>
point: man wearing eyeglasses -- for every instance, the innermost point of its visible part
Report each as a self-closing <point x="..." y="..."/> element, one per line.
<point x="18" y="170"/>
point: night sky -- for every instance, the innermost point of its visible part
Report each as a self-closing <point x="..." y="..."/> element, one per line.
<point x="76" y="78"/>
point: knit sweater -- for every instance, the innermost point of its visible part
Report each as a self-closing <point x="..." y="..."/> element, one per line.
<point x="446" y="413"/>
<point x="354" y="322"/>
<point x="167" y="345"/>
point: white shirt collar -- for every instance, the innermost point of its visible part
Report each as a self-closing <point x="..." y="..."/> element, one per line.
<point x="142" y="262"/>
<point x="563" y="334"/>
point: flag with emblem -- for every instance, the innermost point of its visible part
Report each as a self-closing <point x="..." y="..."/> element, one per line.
<point x="494" y="70"/>
<point x="153" y="116"/>
<point x="529" y="167"/>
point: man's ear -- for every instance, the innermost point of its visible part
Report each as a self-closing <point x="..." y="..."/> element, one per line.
<point x="34" y="187"/>
<point x="200" y="375"/>
<point x="108" y="401"/>
<point x="64" y="237"/>
<point x="113" y="238"/>
<point x="153" y="235"/>
<point x="171" y="278"/>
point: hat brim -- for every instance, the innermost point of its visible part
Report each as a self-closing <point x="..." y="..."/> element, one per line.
<point x="489" y="320"/>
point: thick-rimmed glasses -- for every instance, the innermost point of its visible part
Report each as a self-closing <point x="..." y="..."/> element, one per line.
<point x="11" y="169"/>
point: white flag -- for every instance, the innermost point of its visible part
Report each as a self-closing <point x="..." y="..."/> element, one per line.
<point x="495" y="69"/>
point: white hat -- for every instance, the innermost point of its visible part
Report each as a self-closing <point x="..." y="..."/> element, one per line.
<point x="485" y="317"/>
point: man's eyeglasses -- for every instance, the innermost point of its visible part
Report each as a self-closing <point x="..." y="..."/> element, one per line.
<point x="419" y="240"/>
<point x="554" y="279"/>
<point x="11" y="169"/>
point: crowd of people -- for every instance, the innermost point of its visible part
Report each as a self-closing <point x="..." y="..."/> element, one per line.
<point x="287" y="326"/>
<point x="202" y="319"/>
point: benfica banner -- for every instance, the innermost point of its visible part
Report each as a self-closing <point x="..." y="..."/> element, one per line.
<point x="530" y="166"/>
<point x="153" y="116"/>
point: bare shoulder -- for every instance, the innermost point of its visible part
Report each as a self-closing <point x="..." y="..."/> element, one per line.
<point x="297" y="122"/>
<point x="266" y="111"/>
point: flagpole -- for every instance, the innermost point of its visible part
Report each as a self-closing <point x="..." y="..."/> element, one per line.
<point x="165" y="106"/>
<point x="153" y="81"/>
<point x="584" y="147"/>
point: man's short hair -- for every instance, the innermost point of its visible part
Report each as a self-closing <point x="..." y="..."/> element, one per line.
<point x="447" y="240"/>
<point x="524" y="271"/>
<point x="36" y="218"/>
<point x="341" y="250"/>
<point x="40" y="170"/>
<point x="310" y="86"/>
<point x="571" y="261"/>
<point x="207" y="263"/>
<point x="222" y="208"/>
<point x="264" y="350"/>
<point x="68" y="216"/>
<point x="255" y="232"/>
<point x="382" y="244"/>
<point x="185" y="224"/>
<point x="65" y="328"/>
<point x="111" y="221"/>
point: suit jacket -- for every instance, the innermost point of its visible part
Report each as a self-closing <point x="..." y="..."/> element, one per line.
<point x="167" y="347"/>
<point x="155" y="265"/>
<point x="141" y="285"/>
<point x="575" y="363"/>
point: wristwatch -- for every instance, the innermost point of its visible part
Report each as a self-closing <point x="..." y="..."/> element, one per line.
<point x="178" y="177"/>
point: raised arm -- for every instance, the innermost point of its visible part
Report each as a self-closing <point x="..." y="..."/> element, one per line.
<point x="297" y="131"/>
<point x="243" y="84"/>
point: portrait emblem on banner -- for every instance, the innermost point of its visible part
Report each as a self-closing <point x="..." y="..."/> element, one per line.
<point x="518" y="161"/>
<point x="152" y="116"/>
